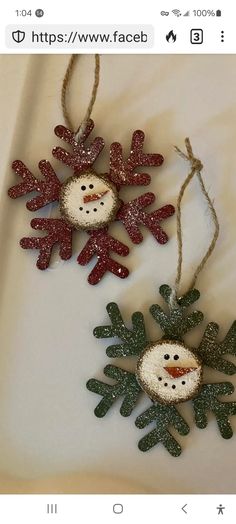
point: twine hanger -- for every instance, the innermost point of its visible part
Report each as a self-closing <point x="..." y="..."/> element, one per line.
<point x="64" y="94"/>
<point x="196" y="169"/>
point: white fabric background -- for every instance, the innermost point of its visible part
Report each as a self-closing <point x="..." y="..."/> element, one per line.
<point x="47" y="426"/>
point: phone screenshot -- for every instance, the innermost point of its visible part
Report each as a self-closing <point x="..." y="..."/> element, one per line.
<point x="118" y="255"/>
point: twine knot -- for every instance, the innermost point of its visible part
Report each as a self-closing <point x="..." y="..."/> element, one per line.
<point x="196" y="164"/>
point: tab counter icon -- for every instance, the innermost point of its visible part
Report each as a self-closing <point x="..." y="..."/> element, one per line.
<point x="18" y="36"/>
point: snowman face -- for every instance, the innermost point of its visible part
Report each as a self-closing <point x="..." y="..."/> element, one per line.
<point x="88" y="201"/>
<point x="169" y="372"/>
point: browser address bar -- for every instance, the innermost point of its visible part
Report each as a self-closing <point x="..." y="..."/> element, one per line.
<point x="79" y="36"/>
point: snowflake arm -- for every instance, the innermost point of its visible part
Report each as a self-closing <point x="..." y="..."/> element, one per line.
<point x="101" y="244"/>
<point x="122" y="172"/>
<point x="133" y="215"/>
<point x="176" y="324"/>
<point x="59" y="232"/>
<point x="164" y="416"/>
<point x="211" y="352"/>
<point x="49" y="188"/>
<point x="134" y="341"/>
<point x="126" y="386"/>
<point x="207" y="401"/>
<point x="82" y="157"/>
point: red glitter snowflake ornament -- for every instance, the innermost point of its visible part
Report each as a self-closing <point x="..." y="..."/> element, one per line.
<point x="90" y="201"/>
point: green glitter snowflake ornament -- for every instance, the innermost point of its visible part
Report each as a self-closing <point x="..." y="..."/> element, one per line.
<point x="167" y="371"/>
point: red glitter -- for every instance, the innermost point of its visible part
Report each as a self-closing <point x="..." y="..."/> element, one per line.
<point x="59" y="232"/>
<point x="123" y="172"/>
<point x="81" y="157"/>
<point x="100" y="244"/>
<point x="132" y="215"/>
<point x="49" y="188"/>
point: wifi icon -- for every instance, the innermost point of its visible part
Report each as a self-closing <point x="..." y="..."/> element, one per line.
<point x="176" y="12"/>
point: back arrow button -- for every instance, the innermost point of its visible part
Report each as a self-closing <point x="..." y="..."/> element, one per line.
<point x="183" y="508"/>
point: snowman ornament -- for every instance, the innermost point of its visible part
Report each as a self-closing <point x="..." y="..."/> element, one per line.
<point x="167" y="371"/>
<point x="90" y="201"/>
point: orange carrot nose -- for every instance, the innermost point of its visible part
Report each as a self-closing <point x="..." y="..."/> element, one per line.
<point x="177" y="372"/>
<point x="95" y="196"/>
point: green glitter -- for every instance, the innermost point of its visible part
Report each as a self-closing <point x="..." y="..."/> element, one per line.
<point x="164" y="416"/>
<point x="134" y="341"/>
<point x="207" y="401"/>
<point x="211" y="351"/>
<point x="176" y="324"/>
<point x="126" y="386"/>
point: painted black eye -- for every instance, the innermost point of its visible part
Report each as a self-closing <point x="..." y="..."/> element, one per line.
<point x="95" y="209"/>
<point x="87" y="212"/>
<point x="183" y="382"/>
<point x="165" y="384"/>
<point x="166" y="357"/>
<point x="91" y="186"/>
<point x="81" y="209"/>
<point x="83" y="188"/>
<point x="101" y="203"/>
<point x="176" y="357"/>
<point x="173" y="387"/>
<point x="159" y="378"/>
